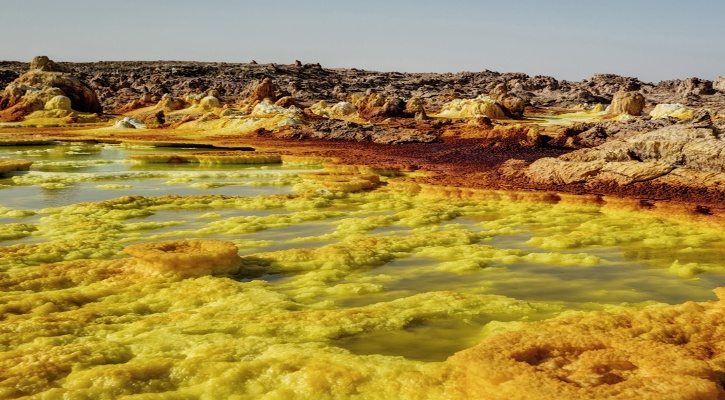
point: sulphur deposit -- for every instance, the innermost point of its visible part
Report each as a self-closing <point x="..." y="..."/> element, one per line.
<point x="356" y="234"/>
<point x="352" y="284"/>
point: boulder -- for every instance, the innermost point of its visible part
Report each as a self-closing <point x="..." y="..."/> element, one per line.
<point x="628" y="172"/>
<point x="393" y="107"/>
<point x="414" y="106"/>
<point x="683" y="146"/>
<point x="683" y="177"/>
<point x="631" y="103"/>
<point x="513" y="106"/>
<point x="555" y="171"/>
<point x="371" y="105"/>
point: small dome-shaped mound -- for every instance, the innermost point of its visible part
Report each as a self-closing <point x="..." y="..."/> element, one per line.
<point x="58" y="103"/>
<point x="209" y="103"/>
<point x="631" y="103"/>
<point x="187" y="258"/>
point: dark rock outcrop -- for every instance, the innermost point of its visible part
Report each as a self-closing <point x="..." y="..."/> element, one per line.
<point x="119" y="83"/>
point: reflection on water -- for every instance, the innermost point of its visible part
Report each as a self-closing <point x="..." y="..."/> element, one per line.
<point x="71" y="173"/>
<point x="363" y="252"/>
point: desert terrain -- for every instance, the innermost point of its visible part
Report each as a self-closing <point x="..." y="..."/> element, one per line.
<point x="218" y="230"/>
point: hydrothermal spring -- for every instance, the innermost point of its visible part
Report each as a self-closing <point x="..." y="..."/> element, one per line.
<point x="352" y="282"/>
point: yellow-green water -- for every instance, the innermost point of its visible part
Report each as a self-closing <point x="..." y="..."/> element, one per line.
<point x="392" y="272"/>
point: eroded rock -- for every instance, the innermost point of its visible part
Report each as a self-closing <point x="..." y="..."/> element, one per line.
<point x="264" y="90"/>
<point x="638" y="158"/>
<point x="631" y="103"/>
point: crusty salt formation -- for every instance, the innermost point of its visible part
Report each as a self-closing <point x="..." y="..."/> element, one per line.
<point x="14" y="165"/>
<point x="343" y="182"/>
<point x="187" y="258"/>
<point x="466" y="108"/>
<point x="359" y="283"/>
<point x="227" y="157"/>
<point x="587" y="366"/>
<point x="672" y="110"/>
<point x="655" y="353"/>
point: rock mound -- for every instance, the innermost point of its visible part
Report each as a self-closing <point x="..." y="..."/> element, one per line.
<point x="467" y="108"/>
<point x="44" y="81"/>
<point x="43" y="63"/>
<point x="264" y="90"/>
<point x="624" y="102"/>
<point x="680" y="155"/>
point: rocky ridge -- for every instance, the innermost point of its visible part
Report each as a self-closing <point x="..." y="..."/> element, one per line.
<point x="122" y="82"/>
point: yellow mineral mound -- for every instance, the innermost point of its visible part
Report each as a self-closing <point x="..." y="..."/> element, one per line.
<point x="631" y="103"/>
<point x="589" y="366"/>
<point x="209" y="103"/>
<point x="343" y="111"/>
<point x="32" y="91"/>
<point x="186" y="258"/>
<point x="58" y="103"/>
<point x="655" y="353"/>
<point x="171" y="103"/>
<point x="14" y="165"/>
<point x="265" y="109"/>
<point x="467" y="108"/>
<point x="341" y="182"/>
<point x="210" y="157"/>
<point x="671" y="110"/>
<point x="59" y="106"/>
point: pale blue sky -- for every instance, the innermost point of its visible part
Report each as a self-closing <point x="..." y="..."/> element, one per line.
<point x="567" y="39"/>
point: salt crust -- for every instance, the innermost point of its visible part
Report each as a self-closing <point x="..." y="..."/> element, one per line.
<point x="161" y="324"/>
<point x="187" y="258"/>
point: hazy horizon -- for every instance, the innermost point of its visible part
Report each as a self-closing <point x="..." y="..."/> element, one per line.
<point x="649" y="40"/>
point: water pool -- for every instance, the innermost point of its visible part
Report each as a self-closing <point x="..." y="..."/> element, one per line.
<point x="401" y="273"/>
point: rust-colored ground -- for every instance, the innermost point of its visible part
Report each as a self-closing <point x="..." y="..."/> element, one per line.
<point x="457" y="160"/>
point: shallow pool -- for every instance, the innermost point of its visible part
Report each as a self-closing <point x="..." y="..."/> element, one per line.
<point x="395" y="270"/>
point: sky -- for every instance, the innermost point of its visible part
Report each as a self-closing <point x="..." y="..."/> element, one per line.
<point x="566" y="39"/>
